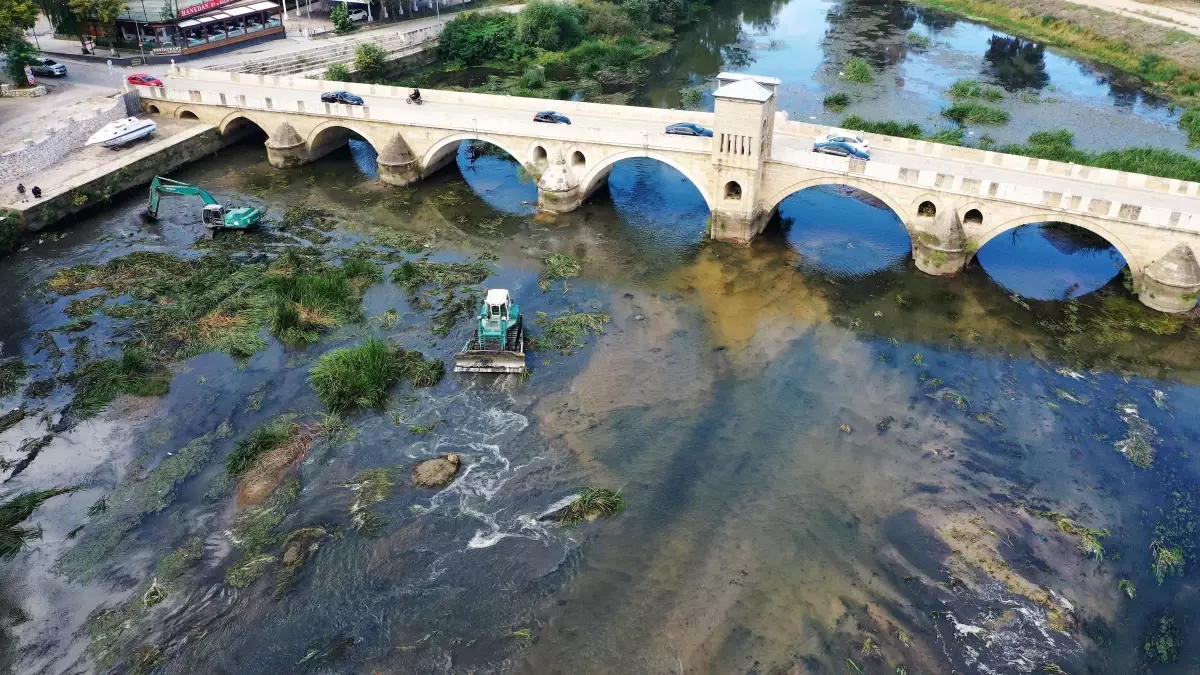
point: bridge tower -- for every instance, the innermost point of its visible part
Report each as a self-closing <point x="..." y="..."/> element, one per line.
<point x="742" y="129"/>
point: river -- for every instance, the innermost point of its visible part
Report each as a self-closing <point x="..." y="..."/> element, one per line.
<point x="833" y="462"/>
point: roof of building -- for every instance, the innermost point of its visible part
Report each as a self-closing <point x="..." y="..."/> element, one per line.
<point x="726" y="76"/>
<point x="746" y="90"/>
<point x="497" y="296"/>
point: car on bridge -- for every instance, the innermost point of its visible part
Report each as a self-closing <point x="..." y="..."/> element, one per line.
<point x="688" y="129"/>
<point x="144" y="80"/>
<point x="551" y="117"/>
<point x="44" y="66"/>
<point x="843" y="143"/>
<point x="341" y="97"/>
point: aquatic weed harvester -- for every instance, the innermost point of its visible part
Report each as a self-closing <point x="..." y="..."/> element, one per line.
<point x="498" y="345"/>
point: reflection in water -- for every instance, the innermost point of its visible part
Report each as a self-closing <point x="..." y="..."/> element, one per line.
<point x="841" y="232"/>
<point x="660" y="210"/>
<point x="364" y="158"/>
<point x="497" y="178"/>
<point x="1044" y="262"/>
<point x="1016" y="63"/>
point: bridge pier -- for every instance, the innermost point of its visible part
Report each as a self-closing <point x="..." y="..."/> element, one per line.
<point x="939" y="245"/>
<point x="397" y="165"/>
<point x="285" y="148"/>
<point x="559" y="190"/>
<point x="1171" y="283"/>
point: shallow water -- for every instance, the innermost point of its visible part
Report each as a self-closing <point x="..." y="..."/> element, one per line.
<point x="820" y="445"/>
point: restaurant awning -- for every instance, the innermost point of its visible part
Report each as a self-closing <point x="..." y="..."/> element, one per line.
<point x="229" y="13"/>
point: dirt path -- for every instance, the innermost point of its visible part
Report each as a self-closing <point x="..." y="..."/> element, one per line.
<point x="1182" y="16"/>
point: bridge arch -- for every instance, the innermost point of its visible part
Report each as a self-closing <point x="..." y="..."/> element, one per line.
<point x="235" y="120"/>
<point x="332" y="134"/>
<point x="901" y="212"/>
<point x="442" y="151"/>
<point x="1088" y="224"/>
<point x="599" y="170"/>
<point x="182" y="113"/>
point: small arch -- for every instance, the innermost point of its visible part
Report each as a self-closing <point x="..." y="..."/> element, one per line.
<point x="539" y="155"/>
<point x="973" y="217"/>
<point x="187" y="115"/>
<point x="578" y="161"/>
<point x="927" y="209"/>
<point x="152" y="109"/>
<point x="733" y="190"/>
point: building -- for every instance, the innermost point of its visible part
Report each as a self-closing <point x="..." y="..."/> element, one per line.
<point x="186" y="27"/>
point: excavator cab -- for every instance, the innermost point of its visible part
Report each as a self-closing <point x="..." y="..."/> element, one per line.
<point x="214" y="216"/>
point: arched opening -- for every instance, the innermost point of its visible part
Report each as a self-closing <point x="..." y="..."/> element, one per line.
<point x="733" y="190"/>
<point x="840" y="231"/>
<point x="1047" y="261"/>
<point x="244" y="129"/>
<point x="188" y="115"/>
<point x="152" y="109"/>
<point x="497" y="177"/>
<point x="333" y="138"/>
<point x="539" y="155"/>
<point x="660" y="209"/>
<point x="578" y="161"/>
<point x="973" y="217"/>
<point x="927" y="209"/>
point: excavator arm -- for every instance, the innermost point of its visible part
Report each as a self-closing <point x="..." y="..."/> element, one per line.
<point x="165" y="186"/>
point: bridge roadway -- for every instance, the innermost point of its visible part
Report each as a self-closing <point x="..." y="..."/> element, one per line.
<point x="951" y="199"/>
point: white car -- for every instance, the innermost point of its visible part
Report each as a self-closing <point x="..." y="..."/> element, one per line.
<point x="358" y="15"/>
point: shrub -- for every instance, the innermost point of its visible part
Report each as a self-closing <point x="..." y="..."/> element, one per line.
<point x="690" y="97"/>
<point x="337" y="72"/>
<point x="640" y="12"/>
<point x="340" y="16"/>
<point x="836" y="101"/>
<point x="361" y="376"/>
<point x="473" y="38"/>
<point x="975" y="113"/>
<point x="1190" y="122"/>
<point x="606" y="19"/>
<point x="549" y="25"/>
<point x="534" y="78"/>
<point x="20" y="54"/>
<point x="370" y="61"/>
<point x="856" y="69"/>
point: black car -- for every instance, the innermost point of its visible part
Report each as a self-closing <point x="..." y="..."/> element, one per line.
<point x="551" y="117"/>
<point x="688" y="129"/>
<point x="341" y="97"/>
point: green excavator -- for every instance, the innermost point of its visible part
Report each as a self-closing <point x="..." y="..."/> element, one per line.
<point x="498" y="345"/>
<point x="214" y="215"/>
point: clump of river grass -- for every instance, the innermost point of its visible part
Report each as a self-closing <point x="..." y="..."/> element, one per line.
<point x="14" y="535"/>
<point x="949" y="136"/>
<point x="98" y="382"/>
<point x="856" y="69"/>
<point x="566" y="330"/>
<point x="975" y="113"/>
<point x="1089" y="539"/>
<point x="592" y="503"/>
<point x="1163" y="641"/>
<point x="558" y="266"/>
<point x="451" y="284"/>
<point x="970" y="89"/>
<point x="12" y="373"/>
<point x="1058" y="145"/>
<point x="1166" y="560"/>
<point x="260" y="441"/>
<point x="254" y="531"/>
<point x="361" y="376"/>
<point x="371" y="487"/>
<point x="305" y="302"/>
<point x="836" y="101"/>
<point x="174" y="564"/>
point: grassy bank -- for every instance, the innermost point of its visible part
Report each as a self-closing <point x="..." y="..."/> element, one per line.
<point x="1159" y="55"/>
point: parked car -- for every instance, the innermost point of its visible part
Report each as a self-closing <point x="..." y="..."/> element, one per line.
<point x="44" y="66"/>
<point x="341" y="97"/>
<point x="144" y="79"/>
<point x="688" y="129"/>
<point x="844" y="143"/>
<point x="358" y="15"/>
<point x="551" y="117"/>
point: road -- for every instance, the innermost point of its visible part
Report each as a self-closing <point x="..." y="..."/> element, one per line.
<point x="20" y="117"/>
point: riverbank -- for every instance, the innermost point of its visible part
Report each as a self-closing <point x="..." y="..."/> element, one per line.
<point x="1167" y="58"/>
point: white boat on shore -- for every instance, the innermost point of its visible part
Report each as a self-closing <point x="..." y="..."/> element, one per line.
<point x="121" y="132"/>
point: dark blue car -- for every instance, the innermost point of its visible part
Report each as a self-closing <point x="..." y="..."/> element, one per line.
<point x="688" y="129"/>
<point x="844" y="143"/>
<point x="551" y="117"/>
<point x="341" y="97"/>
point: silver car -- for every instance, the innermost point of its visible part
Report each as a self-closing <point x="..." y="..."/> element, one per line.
<point x="44" y="66"/>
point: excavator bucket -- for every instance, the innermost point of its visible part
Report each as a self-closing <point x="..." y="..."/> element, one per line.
<point x="480" y="355"/>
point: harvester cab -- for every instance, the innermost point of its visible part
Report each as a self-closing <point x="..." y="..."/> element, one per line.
<point x="498" y="345"/>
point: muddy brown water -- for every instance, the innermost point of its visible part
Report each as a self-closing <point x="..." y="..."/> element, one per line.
<point x="831" y="460"/>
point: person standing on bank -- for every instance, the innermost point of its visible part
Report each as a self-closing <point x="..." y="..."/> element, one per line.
<point x="21" y="191"/>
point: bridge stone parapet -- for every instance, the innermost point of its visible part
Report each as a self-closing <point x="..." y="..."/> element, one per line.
<point x="952" y="200"/>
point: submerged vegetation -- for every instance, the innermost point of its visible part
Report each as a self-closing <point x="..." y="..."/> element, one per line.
<point x="14" y="535"/>
<point x="975" y="113"/>
<point x="1089" y="539"/>
<point x="836" y="101"/>
<point x="592" y="503"/>
<point x="260" y="441"/>
<point x="1163" y="641"/>
<point x="566" y="330"/>
<point x="98" y="382"/>
<point x="361" y="376"/>
<point x="856" y="69"/>
<point x="558" y="266"/>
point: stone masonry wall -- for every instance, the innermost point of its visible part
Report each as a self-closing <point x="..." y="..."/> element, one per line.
<point x="46" y="147"/>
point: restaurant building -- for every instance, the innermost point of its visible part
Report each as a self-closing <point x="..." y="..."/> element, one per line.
<point x="170" y="27"/>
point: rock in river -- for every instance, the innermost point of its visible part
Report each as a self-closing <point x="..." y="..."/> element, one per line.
<point x="435" y="473"/>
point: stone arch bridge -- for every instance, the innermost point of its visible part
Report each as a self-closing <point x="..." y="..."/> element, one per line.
<point x="952" y="200"/>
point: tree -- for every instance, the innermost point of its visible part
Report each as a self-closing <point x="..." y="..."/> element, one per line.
<point x="340" y="16"/>
<point x="64" y="19"/>
<point x="102" y="12"/>
<point x="337" y="72"/>
<point x="16" y="17"/>
<point x="369" y="61"/>
<point x="549" y="25"/>
<point x="473" y="38"/>
<point x="18" y="55"/>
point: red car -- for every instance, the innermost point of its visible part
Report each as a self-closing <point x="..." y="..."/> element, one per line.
<point x="144" y="79"/>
